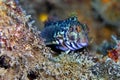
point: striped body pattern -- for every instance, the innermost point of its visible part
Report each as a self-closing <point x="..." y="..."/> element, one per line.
<point x="66" y="35"/>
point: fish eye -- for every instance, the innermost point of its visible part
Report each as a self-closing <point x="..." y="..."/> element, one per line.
<point x="73" y="18"/>
<point x="78" y="29"/>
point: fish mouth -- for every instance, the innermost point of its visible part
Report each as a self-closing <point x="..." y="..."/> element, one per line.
<point x="76" y="34"/>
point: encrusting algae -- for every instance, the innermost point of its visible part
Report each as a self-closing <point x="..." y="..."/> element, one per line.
<point x="24" y="56"/>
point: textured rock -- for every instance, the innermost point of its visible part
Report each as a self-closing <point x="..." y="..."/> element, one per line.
<point x="24" y="56"/>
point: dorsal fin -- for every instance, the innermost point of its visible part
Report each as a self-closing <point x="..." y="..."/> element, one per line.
<point x="55" y="21"/>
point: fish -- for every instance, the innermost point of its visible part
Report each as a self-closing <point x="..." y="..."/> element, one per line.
<point x="65" y="35"/>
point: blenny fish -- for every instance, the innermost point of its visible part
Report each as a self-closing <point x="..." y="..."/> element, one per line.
<point x="65" y="35"/>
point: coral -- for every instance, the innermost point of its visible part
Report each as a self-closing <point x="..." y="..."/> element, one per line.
<point x="108" y="66"/>
<point x="19" y="45"/>
<point x="72" y="66"/>
<point x="24" y="56"/>
<point x="29" y="58"/>
<point x="108" y="69"/>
